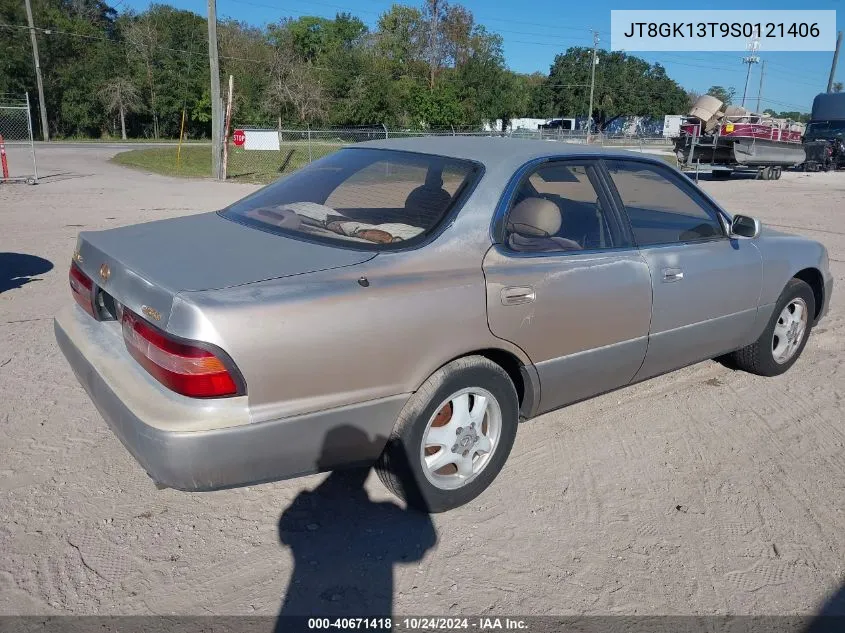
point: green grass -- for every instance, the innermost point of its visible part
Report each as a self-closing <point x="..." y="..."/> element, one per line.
<point x="195" y="161"/>
<point x="244" y="166"/>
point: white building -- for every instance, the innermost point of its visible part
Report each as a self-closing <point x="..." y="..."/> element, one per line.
<point x="514" y="124"/>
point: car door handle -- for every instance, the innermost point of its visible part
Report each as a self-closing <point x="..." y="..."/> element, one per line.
<point x="672" y="274"/>
<point x="516" y="295"/>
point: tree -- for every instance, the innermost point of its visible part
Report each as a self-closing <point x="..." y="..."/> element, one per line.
<point x="245" y="54"/>
<point x="692" y="97"/>
<point x="120" y="95"/>
<point x="793" y="115"/>
<point x="400" y="36"/>
<point x="433" y="18"/>
<point x="142" y="36"/>
<point x="725" y="95"/>
<point x="837" y="86"/>
<point x="295" y="86"/>
<point x="625" y="85"/>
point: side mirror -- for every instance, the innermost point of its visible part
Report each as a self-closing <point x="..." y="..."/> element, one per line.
<point x="745" y="226"/>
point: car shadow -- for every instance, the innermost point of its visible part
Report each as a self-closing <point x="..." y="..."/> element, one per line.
<point x="345" y="545"/>
<point x="18" y="269"/>
<point x="831" y="615"/>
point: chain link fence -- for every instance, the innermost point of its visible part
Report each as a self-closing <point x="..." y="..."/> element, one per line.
<point x="17" y="147"/>
<point x="262" y="155"/>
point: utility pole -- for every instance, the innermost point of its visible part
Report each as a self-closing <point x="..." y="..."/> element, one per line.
<point x="760" y="90"/>
<point x="592" y="84"/>
<point x="753" y="58"/>
<point x="216" y="102"/>
<point x="45" y="133"/>
<point x="835" y="59"/>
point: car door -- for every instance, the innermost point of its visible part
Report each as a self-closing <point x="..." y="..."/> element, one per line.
<point x="706" y="286"/>
<point x="575" y="295"/>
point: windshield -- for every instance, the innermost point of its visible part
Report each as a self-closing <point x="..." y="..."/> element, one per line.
<point x="824" y="129"/>
<point x="361" y="197"/>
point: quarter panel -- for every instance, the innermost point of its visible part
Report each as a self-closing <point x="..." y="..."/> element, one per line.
<point x="323" y="340"/>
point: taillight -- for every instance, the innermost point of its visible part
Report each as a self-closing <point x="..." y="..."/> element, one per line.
<point x="184" y="368"/>
<point x="82" y="288"/>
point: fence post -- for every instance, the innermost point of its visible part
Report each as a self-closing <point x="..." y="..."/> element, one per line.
<point x="453" y="129"/>
<point x="3" y="158"/>
<point x="31" y="139"/>
<point x="310" y="159"/>
<point x="385" y="130"/>
<point x="226" y="122"/>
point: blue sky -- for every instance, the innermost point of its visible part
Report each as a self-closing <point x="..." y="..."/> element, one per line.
<point x="535" y="31"/>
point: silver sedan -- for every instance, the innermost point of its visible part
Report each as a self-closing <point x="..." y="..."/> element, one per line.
<point x="405" y="303"/>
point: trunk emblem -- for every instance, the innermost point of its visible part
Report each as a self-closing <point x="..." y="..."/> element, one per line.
<point x="105" y="273"/>
<point x="77" y="257"/>
<point x="151" y="312"/>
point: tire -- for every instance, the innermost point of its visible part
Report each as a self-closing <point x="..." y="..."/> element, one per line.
<point x="415" y="440"/>
<point x="760" y="357"/>
<point x="777" y="173"/>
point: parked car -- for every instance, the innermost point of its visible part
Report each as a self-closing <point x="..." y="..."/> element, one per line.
<point x="405" y="303"/>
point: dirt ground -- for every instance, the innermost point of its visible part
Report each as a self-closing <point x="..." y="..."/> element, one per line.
<point x="706" y="491"/>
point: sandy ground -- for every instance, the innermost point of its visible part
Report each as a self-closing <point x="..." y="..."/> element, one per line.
<point x="707" y="491"/>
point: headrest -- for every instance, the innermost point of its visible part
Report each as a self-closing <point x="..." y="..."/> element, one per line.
<point x="535" y="217"/>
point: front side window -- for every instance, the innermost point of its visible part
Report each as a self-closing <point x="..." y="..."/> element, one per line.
<point x="557" y="208"/>
<point x="360" y="197"/>
<point x="659" y="210"/>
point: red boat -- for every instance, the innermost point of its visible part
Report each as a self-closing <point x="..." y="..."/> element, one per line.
<point x="735" y="139"/>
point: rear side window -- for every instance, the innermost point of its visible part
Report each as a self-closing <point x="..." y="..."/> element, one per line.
<point x="367" y="198"/>
<point x="558" y="208"/>
<point x="659" y="209"/>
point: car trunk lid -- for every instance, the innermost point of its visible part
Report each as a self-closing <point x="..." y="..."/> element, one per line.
<point x="144" y="266"/>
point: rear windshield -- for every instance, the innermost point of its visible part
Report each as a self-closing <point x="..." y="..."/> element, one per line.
<point x="367" y="198"/>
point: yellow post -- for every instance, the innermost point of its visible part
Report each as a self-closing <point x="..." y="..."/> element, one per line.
<point x="179" y="147"/>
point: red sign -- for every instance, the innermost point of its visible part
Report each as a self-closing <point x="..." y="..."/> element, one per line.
<point x="238" y="137"/>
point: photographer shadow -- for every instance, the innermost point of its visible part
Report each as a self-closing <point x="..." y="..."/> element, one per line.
<point x="345" y="545"/>
<point x="831" y="615"/>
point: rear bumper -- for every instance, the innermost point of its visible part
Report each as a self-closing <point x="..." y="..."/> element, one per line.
<point x="235" y="453"/>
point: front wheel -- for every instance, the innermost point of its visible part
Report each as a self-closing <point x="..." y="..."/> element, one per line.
<point x="453" y="436"/>
<point x="785" y="336"/>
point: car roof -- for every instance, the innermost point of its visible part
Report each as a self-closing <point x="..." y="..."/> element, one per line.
<point x="498" y="152"/>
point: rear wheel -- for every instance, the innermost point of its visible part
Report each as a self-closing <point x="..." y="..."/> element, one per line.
<point x="453" y="436"/>
<point x="785" y="336"/>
